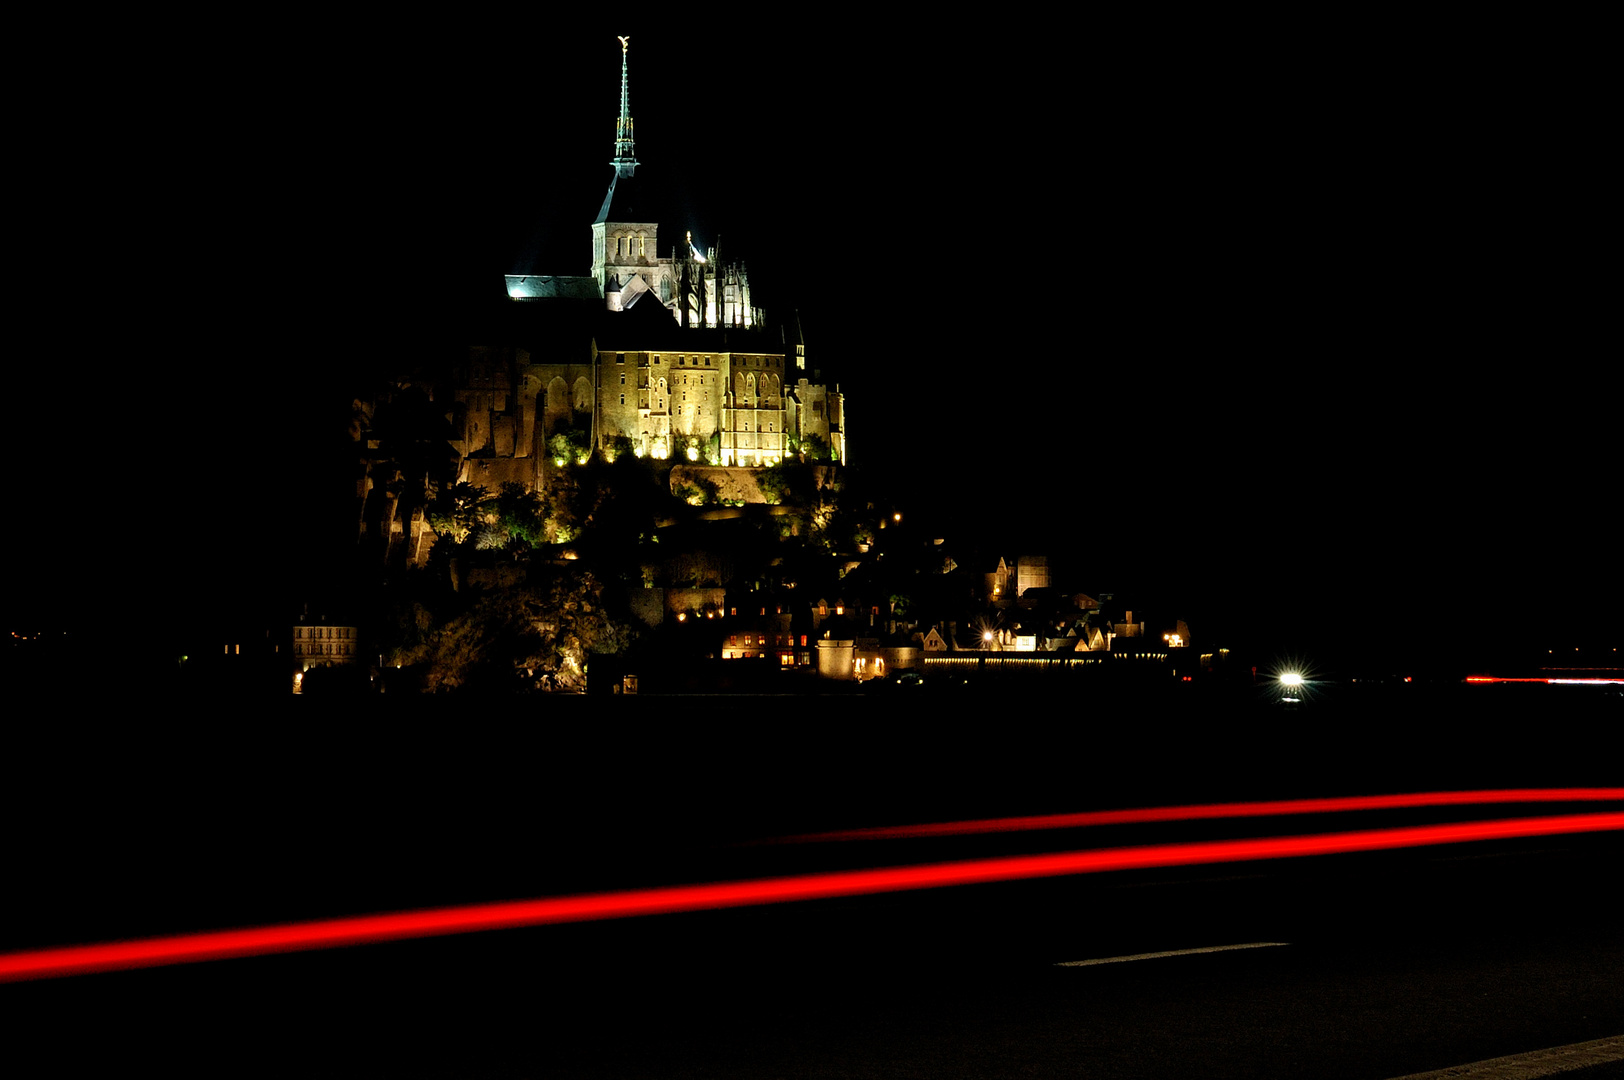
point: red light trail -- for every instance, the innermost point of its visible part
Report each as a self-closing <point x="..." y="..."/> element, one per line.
<point x="1546" y="681"/>
<point x="1282" y="807"/>
<point x="332" y="933"/>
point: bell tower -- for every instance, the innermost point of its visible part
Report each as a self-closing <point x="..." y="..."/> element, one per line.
<point x="624" y="246"/>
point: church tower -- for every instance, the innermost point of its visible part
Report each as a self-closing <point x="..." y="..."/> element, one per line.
<point x="625" y="260"/>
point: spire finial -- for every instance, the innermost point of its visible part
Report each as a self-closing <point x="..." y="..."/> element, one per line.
<point x="625" y="156"/>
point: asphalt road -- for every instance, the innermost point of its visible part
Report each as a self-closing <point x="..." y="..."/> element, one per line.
<point x="1392" y="963"/>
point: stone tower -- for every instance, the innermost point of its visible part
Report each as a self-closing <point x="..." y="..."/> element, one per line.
<point x="625" y="260"/>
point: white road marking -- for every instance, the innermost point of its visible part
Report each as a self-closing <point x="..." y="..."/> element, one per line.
<point x="1534" y="1064"/>
<point x="1173" y="952"/>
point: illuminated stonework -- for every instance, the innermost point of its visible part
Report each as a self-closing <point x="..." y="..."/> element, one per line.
<point x="627" y="269"/>
<point x="710" y="387"/>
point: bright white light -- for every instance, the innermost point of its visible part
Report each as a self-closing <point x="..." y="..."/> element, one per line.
<point x="1291" y="678"/>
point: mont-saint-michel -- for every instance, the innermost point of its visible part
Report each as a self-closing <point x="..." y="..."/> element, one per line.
<point x="640" y="479"/>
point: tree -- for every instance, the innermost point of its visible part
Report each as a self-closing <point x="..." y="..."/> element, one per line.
<point x="789" y="482"/>
<point x="543" y="633"/>
<point x="457" y="510"/>
<point x="520" y="514"/>
<point x="570" y="446"/>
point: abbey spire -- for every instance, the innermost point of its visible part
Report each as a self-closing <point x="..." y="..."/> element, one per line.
<point x="625" y="156"/>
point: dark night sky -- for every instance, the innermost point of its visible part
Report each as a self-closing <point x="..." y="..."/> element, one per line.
<point x="1296" y="318"/>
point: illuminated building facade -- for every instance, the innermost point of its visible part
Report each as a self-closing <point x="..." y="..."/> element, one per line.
<point x="677" y="364"/>
<point x="320" y="645"/>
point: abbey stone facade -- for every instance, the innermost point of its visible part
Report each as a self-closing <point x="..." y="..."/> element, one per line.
<point x="664" y="354"/>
